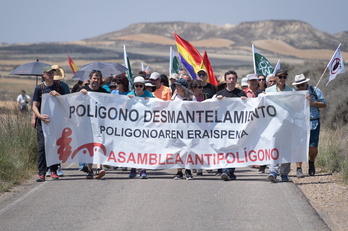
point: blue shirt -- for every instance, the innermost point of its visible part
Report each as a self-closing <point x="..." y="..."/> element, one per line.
<point x="146" y="94"/>
<point x="314" y="111"/>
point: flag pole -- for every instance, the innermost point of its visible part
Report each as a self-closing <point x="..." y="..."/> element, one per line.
<point x="252" y="47"/>
<point x="327" y="66"/>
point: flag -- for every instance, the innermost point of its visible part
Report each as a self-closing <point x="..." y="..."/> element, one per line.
<point x="335" y="65"/>
<point x="127" y="64"/>
<point x="173" y="63"/>
<point x="189" y="56"/>
<point x="276" y="68"/>
<point x="211" y="75"/>
<point x="72" y="65"/>
<point x="261" y="65"/>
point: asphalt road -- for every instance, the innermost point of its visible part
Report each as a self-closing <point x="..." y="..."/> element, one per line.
<point x="116" y="202"/>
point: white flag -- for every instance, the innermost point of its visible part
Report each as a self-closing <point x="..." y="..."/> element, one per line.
<point x="277" y="67"/>
<point x="173" y="62"/>
<point x="335" y="65"/>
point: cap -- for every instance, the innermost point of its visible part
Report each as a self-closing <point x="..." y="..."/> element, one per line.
<point x="139" y="79"/>
<point x="252" y="76"/>
<point x="155" y="75"/>
<point x="48" y="69"/>
<point x="244" y="82"/>
<point x="174" y="76"/>
<point x="202" y="70"/>
<point x="181" y="82"/>
<point x="281" y="72"/>
<point x="300" y="79"/>
<point x="149" y="84"/>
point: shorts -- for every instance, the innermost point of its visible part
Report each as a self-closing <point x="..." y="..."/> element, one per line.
<point x="314" y="137"/>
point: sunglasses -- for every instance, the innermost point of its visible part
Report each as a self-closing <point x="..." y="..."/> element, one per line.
<point x="272" y="81"/>
<point x="300" y="85"/>
<point x="138" y="86"/>
<point x="202" y="75"/>
<point x="282" y="76"/>
<point x="198" y="87"/>
<point x="261" y="79"/>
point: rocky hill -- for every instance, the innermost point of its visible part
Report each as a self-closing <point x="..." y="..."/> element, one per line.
<point x="298" y="34"/>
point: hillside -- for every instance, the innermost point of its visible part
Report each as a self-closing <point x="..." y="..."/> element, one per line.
<point x="289" y="40"/>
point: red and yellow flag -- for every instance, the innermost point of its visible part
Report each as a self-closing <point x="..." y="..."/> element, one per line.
<point x="72" y="65"/>
<point x="211" y="75"/>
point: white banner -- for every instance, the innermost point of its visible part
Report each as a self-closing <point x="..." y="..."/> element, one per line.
<point x="155" y="134"/>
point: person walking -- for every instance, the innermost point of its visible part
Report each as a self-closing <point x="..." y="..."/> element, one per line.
<point x="230" y="91"/>
<point x="54" y="89"/>
<point x="284" y="168"/>
<point x="23" y="100"/>
<point x="316" y="102"/>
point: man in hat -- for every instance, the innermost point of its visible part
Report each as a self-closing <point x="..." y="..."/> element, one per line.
<point x="161" y="92"/>
<point x="54" y="89"/>
<point x="316" y="101"/>
<point x="208" y="89"/>
<point x="251" y="92"/>
<point x="284" y="169"/>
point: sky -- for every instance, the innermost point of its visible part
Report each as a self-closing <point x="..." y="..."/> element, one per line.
<point x="36" y="21"/>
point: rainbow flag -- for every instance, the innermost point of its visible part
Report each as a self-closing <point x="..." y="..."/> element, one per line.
<point x="189" y="56"/>
<point x="209" y="68"/>
<point x="72" y="65"/>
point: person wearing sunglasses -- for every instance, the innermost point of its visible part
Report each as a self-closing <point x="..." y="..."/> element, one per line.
<point x="270" y="80"/>
<point x="208" y="88"/>
<point x="284" y="169"/>
<point x="139" y="91"/>
<point x="197" y="89"/>
<point x="161" y="92"/>
<point x="316" y="101"/>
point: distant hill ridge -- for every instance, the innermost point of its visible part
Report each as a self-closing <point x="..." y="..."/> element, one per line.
<point x="298" y="34"/>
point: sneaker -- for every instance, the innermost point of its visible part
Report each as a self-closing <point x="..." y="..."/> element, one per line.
<point x="133" y="173"/>
<point x="48" y="173"/>
<point x="143" y="174"/>
<point x="311" y="169"/>
<point x="40" y="178"/>
<point x="107" y="166"/>
<point x="194" y="170"/>
<point x="114" y="168"/>
<point x="84" y="169"/>
<point x="232" y="176"/>
<point x="299" y="173"/>
<point x="200" y="172"/>
<point x="225" y="177"/>
<point x="99" y="173"/>
<point x="89" y="174"/>
<point x="54" y="176"/>
<point x="124" y="169"/>
<point x="59" y="171"/>
<point x="285" y="178"/>
<point x="179" y="175"/>
<point x="262" y="169"/>
<point x="219" y="172"/>
<point x="272" y="176"/>
<point x="188" y="174"/>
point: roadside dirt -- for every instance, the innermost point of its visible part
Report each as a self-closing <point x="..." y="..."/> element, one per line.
<point x="327" y="194"/>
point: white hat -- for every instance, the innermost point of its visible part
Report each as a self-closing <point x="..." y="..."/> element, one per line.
<point x="252" y="76"/>
<point x="270" y="76"/>
<point x="300" y="79"/>
<point x="174" y="76"/>
<point x="155" y="75"/>
<point x="244" y="82"/>
<point x="139" y="79"/>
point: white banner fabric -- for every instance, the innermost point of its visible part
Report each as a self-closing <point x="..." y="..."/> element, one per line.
<point x="154" y="134"/>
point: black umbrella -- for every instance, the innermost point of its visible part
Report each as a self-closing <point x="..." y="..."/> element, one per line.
<point x="34" y="68"/>
<point x="107" y="69"/>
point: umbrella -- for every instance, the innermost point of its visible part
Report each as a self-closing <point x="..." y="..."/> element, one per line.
<point x="34" y="68"/>
<point x="107" y="69"/>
